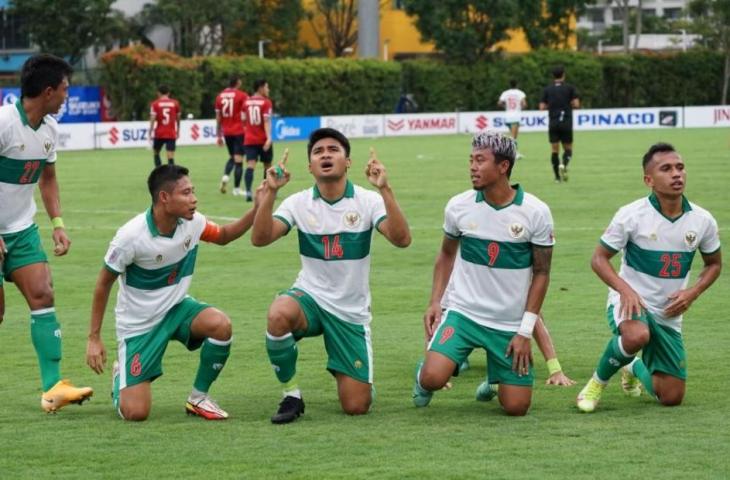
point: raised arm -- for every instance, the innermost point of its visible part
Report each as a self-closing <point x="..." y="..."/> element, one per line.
<point x="265" y="229"/>
<point x="95" y="350"/>
<point x="224" y="234"/>
<point x="395" y="226"/>
<point x="443" y="266"/>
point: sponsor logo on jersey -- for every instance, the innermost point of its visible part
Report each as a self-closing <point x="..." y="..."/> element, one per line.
<point x="352" y="219"/>
<point x="516" y="230"/>
<point x="690" y="239"/>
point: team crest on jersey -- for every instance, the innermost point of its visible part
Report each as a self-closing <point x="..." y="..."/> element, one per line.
<point x="21" y="147"/>
<point x="158" y="259"/>
<point x="516" y="230"/>
<point x="186" y="243"/>
<point x="690" y="238"/>
<point x="47" y="146"/>
<point x="352" y="219"/>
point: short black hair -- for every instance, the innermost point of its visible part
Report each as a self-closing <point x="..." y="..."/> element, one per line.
<point x="233" y="80"/>
<point x="42" y="71"/>
<point x="513" y="83"/>
<point x="259" y="83"/>
<point x="558" y="72"/>
<point x="165" y="177"/>
<point x="164" y="89"/>
<point x="660" y="147"/>
<point x="321" y="133"/>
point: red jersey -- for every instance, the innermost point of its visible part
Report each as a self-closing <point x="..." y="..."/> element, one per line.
<point x="166" y="112"/>
<point x="229" y="104"/>
<point x="258" y="110"/>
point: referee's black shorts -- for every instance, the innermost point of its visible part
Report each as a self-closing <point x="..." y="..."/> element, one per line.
<point x="560" y="132"/>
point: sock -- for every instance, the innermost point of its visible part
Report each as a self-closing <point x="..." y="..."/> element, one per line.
<point x="248" y="178"/>
<point x="158" y="162"/>
<point x="613" y="358"/>
<point x="638" y="368"/>
<point x="213" y="358"/>
<point x="420" y="388"/>
<point x="229" y="167"/>
<point x="238" y="173"/>
<point x="556" y="162"/>
<point x="115" y="394"/>
<point x="567" y="155"/>
<point x="283" y="355"/>
<point x="46" y="335"/>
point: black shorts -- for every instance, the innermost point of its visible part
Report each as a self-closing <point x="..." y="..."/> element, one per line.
<point x="560" y="132"/>
<point x="234" y="143"/>
<point x="169" y="144"/>
<point x="256" y="152"/>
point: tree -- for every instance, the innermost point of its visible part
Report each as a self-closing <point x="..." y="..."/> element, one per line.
<point x="465" y="30"/>
<point x="67" y="28"/>
<point x="548" y="23"/>
<point x="637" y="30"/>
<point x="712" y="21"/>
<point x="198" y="26"/>
<point x="337" y="19"/>
<point x="273" y="20"/>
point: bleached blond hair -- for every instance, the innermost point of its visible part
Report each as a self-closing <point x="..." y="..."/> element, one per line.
<point x="500" y="145"/>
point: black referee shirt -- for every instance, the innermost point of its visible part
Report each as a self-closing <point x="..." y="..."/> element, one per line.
<point x="558" y="97"/>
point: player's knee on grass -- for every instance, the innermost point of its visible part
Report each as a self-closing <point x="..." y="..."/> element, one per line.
<point x="356" y="405"/>
<point x="515" y="400"/>
<point x="134" y="412"/>
<point x="669" y="391"/>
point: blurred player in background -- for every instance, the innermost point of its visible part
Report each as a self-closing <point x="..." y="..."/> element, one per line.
<point x="559" y="99"/>
<point x="229" y="116"/>
<point x="513" y="101"/>
<point x="257" y="141"/>
<point x="164" y="124"/>
<point x="28" y="140"/>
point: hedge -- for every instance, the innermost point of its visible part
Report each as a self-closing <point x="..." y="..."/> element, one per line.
<point x="343" y="86"/>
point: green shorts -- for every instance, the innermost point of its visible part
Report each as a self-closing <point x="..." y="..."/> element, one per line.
<point x="665" y="351"/>
<point x="349" y="348"/>
<point x="140" y="357"/>
<point x="458" y="335"/>
<point x="24" y="248"/>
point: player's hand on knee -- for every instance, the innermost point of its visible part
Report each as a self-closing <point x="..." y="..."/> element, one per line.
<point x="520" y="349"/>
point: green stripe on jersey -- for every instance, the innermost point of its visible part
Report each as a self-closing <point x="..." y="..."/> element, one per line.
<point x="21" y="172"/>
<point x="510" y="255"/>
<point x="657" y="263"/>
<point x="145" y="279"/>
<point x="336" y="246"/>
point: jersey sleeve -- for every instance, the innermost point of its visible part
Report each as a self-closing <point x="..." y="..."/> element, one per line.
<point x="153" y="111"/>
<point x="710" y="242"/>
<point x="543" y="230"/>
<point x="451" y="226"/>
<point x="267" y="110"/>
<point x="617" y="234"/>
<point x="218" y="102"/>
<point x="120" y="253"/>
<point x="285" y="212"/>
<point x="503" y="97"/>
<point x="52" y="155"/>
<point x="573" y="93"/>
<point x="544" y="98"/>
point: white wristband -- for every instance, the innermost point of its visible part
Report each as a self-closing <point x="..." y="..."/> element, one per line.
<point x="528" y="324"/>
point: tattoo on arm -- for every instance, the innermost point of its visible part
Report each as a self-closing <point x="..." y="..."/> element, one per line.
<point x="541" y="258"/>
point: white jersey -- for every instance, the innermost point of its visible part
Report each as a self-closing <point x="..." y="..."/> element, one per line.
<point x="24" y="152"/>
<point x="512" y="99"/>
<point x="155" y="270"/>
<point x="334" y="245"/>
<point x="658" y="252"/>
<point x="493" y="268"/>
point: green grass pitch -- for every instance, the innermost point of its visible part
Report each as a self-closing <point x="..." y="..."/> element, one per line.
<point x="455" y="437"/>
